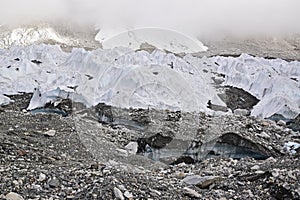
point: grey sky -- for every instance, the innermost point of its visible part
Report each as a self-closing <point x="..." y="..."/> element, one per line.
<point x="191" y="16"/>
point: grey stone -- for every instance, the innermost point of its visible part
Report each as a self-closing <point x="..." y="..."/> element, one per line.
<point x="255" y="167"/>
<point x="275" y="173"/>
<point x="264" y="135"/>
<point x="132" y="147"/>
<point x="201" y="181"/>
<point x="122" y="187"/>
<point x="241" y="112"/>
<point x="118" y="194"/>
<point x="13" y="196"/>
<point x="42" y="177"/>
<point x="50" y="133"/>
<point x="54" y="182"/>
<point x="281" y="123"/>
<point x="128" y="195"/>
<point x="191" y="193"/>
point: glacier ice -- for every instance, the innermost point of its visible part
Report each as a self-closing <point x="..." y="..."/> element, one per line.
<point x="163" y="39"/>
<point x="274" y="82"/>
<point x="28" y="36"/>
<point x="127" y="78"/>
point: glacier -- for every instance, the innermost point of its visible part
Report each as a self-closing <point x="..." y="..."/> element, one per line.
<point x="136" y="78"/>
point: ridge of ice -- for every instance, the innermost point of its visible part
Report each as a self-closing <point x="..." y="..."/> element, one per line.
<point x="125" y="78"/>
<point x="274" y="82"/>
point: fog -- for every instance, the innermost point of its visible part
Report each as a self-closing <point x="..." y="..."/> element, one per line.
<point x="195" y="17"/>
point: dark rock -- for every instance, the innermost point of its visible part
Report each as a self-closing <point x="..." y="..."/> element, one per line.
<point x="53" y="183"/>
<point x="36" y="62"/>
<point x="62" y="107"/>
<point x="174" y="116"/>
<point x="20" y="101"/>
<point x="216" y="107"/>
<point x="104" y="113"/>
<point x="294" y="124"/>
<point x="157" y="141"/>
<point x="184" y="159"/>
<point x="279" y="192"/>
<point x="237" y="98"/>
<point x="140" y="115"/>
<point x="89" y="76"/>
<point x="201" y="181"/>
<point x="255" y="177"/>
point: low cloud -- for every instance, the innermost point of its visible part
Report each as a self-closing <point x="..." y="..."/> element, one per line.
<point x="195" y="17"/>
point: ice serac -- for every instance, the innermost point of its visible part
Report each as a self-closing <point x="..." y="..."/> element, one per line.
<point x="126" y="78"/>
<point x="163" y="39"/>
<point x="274" y="82"/>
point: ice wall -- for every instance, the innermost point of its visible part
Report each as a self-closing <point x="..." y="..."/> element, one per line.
<point x="274" y="81"/>
<point x="127" y="78"/>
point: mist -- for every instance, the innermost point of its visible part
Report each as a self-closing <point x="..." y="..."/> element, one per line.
<point x="194" y="17"/>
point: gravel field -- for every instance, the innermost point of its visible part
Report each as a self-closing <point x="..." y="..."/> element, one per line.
<point x="46" y="156"/>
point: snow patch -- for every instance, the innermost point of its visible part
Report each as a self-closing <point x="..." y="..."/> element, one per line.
<point x="28" y="36"/>
<point x="163" y="39"/>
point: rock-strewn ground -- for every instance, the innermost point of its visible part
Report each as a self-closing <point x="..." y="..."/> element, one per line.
<point x="46" y="156"/>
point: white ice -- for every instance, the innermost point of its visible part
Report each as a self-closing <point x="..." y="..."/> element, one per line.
<point x="28" y="36"/>
<point x="292" y="146"/>
<point x="127" y="78"/>
<point x="163" y="39"/>
<point x="276" y="83"/>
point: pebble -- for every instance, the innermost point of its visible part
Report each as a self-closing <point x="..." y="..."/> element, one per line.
<point x="271" y="159"/>
<point x="281" y="123"/>
<point x="265" y="123"/>
<point x="181" y="175"/>
<point x="13" y="196"/>
<point x="255" y="167"/>
<point x="249" y="193"/>
<point x="50" y="133"/>
<point x="42" y="177"/>
<point x="15" y="182"/>
<point x="54" y="182"/>
<point x="128" y="195"/>
<point x="201" y="181"/>
<point x="241" y="112"/>
<point x="118" y="194"/>
<point x="122" y="187"/>
<point x="155" y="191"/>
<point x="37" y="187"/>
<point x="264" y="135"/>
<point x="132" y="147"/>
<point x="191" y="193"/>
